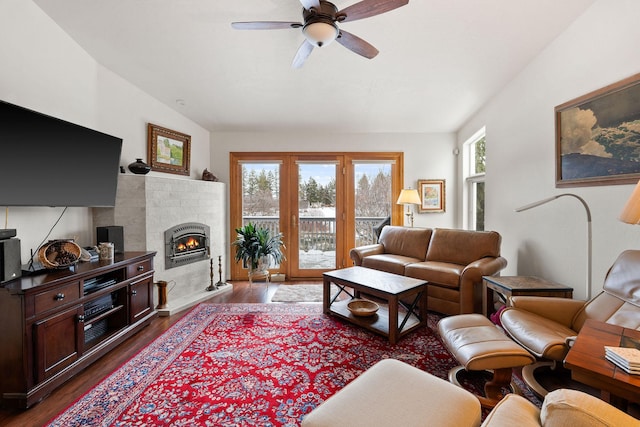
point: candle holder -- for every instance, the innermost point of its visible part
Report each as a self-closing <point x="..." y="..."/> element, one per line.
<point x="220" y="281"/>
<point x="214" y="286"/>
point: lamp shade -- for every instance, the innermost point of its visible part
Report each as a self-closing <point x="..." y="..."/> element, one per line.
<point x="631" y="212"/>
<point x="320" y="33"/>
<point x="408" y="196"/>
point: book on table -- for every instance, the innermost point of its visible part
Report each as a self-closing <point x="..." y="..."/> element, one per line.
<point x="624" y="357"/>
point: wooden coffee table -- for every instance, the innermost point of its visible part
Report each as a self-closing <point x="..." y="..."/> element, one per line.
<point x="390" y="321"/>
<point x="589" y="366"/>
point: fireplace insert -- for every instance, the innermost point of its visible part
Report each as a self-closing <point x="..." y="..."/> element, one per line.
<point x="186" y="243"/>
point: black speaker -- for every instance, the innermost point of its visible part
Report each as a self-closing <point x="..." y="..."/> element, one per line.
<point x="10" y="265"/>
<point x="113" y="234"/>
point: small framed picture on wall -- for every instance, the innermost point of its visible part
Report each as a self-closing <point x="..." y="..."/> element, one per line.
<point x="168" y="150"/>
<point x="432" y="195"/>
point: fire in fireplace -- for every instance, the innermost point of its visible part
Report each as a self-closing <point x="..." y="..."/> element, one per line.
<point x="186" y="243"/>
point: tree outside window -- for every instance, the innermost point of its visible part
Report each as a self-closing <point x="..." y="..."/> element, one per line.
<point x="475" y="153"/>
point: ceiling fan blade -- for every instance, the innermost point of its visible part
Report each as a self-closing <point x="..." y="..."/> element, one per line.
<point x="265" y="25"/>
<point x="356" y="44"/>
<point x="302" y="54"/>
<point x="308" y="4"/>
<point x="367" y="8"/>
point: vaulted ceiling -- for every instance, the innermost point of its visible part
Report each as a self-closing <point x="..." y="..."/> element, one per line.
<point x="439" y="60"/>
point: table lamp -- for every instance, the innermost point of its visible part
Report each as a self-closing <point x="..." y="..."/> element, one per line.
<point x="631" y="212"/>
<point x="408" y="197"/>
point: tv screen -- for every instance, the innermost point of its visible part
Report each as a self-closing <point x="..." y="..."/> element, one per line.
<point x="50" y="162"/>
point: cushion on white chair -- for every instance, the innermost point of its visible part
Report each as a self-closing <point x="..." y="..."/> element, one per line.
<point x="393" y="393"/>
<point x="568" y="408"/>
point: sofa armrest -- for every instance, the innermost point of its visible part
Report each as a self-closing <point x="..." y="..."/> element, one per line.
<point x="471" y="280"/>
<point x="484" y="267"/>
<point x="472" y="274"/>
<point x="560" y="310"/>
<point x="357" y="254"/>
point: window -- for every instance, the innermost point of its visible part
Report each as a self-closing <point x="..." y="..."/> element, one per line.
<point x="324" y="204"/>
<point x="474" y="162"/>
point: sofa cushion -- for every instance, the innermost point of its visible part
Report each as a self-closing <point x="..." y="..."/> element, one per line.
<point x="623" y="278"/>
<point x="409" y="242"/>
<point x="394" y="393"/>
<point x="566" y="407"/>
<point x="462" y="246"/>
<point x="541" y="336"/>
<point x="442" y="273"/>
<point x="620" y="300"/>
<point x="512" y="411"/>
<point x="390" y="263"/>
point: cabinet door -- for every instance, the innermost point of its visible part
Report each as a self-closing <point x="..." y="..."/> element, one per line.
<point x="58" y="342"/>
<point x="140" y="298"/>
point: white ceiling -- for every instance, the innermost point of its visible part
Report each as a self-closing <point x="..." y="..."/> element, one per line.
<point x="439" y="61"/>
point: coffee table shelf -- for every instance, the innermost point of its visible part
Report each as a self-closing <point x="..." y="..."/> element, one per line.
<point x="378" y="322"/>
<point x="391" y="320"/>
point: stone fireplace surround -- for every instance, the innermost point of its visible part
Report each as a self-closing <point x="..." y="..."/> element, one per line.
<point x="146" y="206"/>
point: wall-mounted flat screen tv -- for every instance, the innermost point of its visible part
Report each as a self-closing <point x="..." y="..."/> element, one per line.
<point x="45" y="161"/>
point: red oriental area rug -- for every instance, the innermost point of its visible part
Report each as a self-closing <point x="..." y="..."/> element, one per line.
<point x="247" y="365"/>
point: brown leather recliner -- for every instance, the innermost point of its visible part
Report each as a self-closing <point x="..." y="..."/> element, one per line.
<point x="544" y="326"/>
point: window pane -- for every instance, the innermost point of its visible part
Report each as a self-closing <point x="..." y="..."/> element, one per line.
<point x="317" y="215"/>
<point x="480" y="158"/>
<point x="479" y="206"/>
<point x="261" y="196"/>
<point x="373" y="199"/>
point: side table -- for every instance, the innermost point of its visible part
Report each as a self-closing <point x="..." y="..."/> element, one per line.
<point x="519" y="285"/>
<point x="588" y="364"/>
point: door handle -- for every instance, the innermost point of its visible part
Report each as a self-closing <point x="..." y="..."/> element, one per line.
<point x="294" y="223"/>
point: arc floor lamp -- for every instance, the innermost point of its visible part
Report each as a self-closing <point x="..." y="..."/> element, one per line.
<point x="588" y="211"/>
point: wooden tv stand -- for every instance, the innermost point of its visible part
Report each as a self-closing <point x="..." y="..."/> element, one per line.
<point x="56" y="324"/>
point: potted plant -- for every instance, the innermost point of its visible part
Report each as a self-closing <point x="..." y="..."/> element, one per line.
<point x="256" y="247"/>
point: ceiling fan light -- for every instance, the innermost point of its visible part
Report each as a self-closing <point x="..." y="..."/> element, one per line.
<point x="320" y="33"/>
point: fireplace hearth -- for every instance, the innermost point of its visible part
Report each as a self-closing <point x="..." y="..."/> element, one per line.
<point x="149" y="205"/>
<point x="185" y="244"/>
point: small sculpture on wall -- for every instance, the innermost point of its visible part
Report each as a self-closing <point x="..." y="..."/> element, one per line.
<point x="208" y="176"/>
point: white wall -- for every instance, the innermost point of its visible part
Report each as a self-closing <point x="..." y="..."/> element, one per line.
<point x="600" y="48"/>
<point x="45" y="70"/>
<point x="426" y="156"/>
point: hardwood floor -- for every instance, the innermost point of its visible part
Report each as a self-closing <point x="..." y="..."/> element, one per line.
<point x="62" y="397"/>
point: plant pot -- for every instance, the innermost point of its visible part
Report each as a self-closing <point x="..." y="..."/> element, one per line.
<point x="261" y="270"/>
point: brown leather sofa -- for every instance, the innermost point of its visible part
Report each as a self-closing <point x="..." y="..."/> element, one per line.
<point x="544" y="325"/>
<point x="452" y="261"/>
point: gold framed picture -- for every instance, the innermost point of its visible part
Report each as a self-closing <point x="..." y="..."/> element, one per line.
<point x="432" y="195"/>
<point x="168" y="150"/>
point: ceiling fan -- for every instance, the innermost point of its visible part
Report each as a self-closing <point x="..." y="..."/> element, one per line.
<point x="320" y="26"/>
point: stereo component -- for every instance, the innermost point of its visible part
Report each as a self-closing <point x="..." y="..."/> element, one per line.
<point x="113" y="234"/>
<point x="10" y="265"/>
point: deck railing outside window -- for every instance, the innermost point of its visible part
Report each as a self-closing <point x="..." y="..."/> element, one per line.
<point x="318" y="233"/>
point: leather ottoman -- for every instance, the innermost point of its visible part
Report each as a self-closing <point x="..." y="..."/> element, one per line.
<point x="478" y="345"/>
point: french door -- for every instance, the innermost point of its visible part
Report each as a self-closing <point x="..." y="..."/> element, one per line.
<point x="323" y="203"/>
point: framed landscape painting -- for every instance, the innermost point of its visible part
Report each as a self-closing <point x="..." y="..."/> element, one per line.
<point x="598" y="137"/>
<point x="432" y="195"/>
<point x="168" y="150"/>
